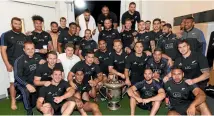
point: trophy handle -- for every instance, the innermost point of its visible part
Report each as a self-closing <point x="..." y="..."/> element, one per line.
<point x="125" y="91"/>
<point x="102" y="93"/>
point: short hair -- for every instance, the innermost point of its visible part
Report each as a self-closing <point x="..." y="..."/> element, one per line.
<point x="51" y="53"/>
<point x="148" y="69"/>
<point x="87" y="11"/>
<point x="138" y="43"/>
<point x="163" y="21"/>
<point x="141" y="21"/>
<point x="108" y="19"/>
<point x="105" y="6"/>
<point x="87" y="30"/>
<point x="158" y="50"/>
<point x="176" y="67"/>
<point x="69" y="45"/>
<point x="132" y="3"/>
<point x="56" y="69"/>
<point x="79" y="26"/>
<point x="62" y="18"/>
<point x="89" y="52"/>
<point x="191" y="18"/>
<point x="167" y="25"/>
<point x="72" y="23"/>
<point x="183" y="41"/>
<point x="15" y="18"/>
<point x="148" y="21"/>
<point x="53" y="22"/>
<point x="117" y="40"/>
<point x="128" y="20"/>
<point x="37" y="17"/>
<point x="156" y="19"/>
<point x="28" y="42"/>
<point x="101" y="40"/>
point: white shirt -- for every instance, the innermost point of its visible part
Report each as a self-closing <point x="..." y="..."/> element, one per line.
<point x="68" y="63"/>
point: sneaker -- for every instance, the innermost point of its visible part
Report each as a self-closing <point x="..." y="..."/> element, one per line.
<point x="18" y="97"/>
<point x="29" y="112"/>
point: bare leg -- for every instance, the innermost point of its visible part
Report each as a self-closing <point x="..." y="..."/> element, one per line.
<point x="155" y="108"/>
<point x="48" y="110"/>
<point x="68" y="108"/>
<point x="13" y="96"/>
<point x="203" y="109"/>
<point x="92" y="107"/>
<point x="82" y="112"/>
<point x="172" y="113"/>
<point x="85" y="96"/>
<point x="133" y="103"/>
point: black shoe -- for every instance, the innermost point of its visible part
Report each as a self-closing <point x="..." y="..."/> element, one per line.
<point x="30" y="112"/>
<point x="18" y="97"/>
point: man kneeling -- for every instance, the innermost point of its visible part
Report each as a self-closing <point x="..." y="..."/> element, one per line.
<point x="185" y="99"/>
<point x="83" y="93"/>
<point x="52" y="99"/>
<point x="147" y="94"/>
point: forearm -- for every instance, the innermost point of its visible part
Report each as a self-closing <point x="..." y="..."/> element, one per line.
<point x="132" y="94"/>
<point x="68" y="94"/>
<point x="99" y="27"/>
<point x="112" y="70"/>
<point x="115" y="25"/>
<point x="40" y="83"/>
<point x="203" y="77"/>
<point x="4" y="57"/>
<point x="99" y="78"/>
<point x="59" y="48"/>
<point x="199" y="99"/>
<point x="39" y="105"/>
<point x="166" y="57"/>
<point x="158" y="97"/>
<point x="126" y="73"/>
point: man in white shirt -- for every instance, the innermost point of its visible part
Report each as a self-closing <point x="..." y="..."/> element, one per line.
<point x="68" y="59"/>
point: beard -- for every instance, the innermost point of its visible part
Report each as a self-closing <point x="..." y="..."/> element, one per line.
<point x="54" y="31"/>
<point x="86" y="19"/>
<point x="16" y="30"/>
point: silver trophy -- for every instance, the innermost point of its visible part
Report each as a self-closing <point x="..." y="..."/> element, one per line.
<point x="114" y="94"/>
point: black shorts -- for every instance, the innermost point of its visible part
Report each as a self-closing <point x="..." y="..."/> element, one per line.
<point x="147" y="106"/>
<point x="181" y="109"/>
<point x="57" y="108"/>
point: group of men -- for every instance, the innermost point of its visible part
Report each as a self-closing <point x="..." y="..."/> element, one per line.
<point x="58" y="70"/>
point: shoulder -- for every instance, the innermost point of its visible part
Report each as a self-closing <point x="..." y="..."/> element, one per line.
<point x="137" y="13"/>
<point x="125" y="13"/>
<point x="6" y="33"/>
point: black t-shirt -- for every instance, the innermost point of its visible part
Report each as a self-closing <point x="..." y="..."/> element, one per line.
<point x="87" y="45"/>
<point x="103" y="58"/>
<point x="15" y="43"/>
<point x="161" y="67"/>
<point x="112" y="16"/>
<point x="136" y="66"/>
<point x="63" y="30"/>
<point x="134" y="18"/>
<point x="169" y="45"/>
<point x="109" y="36"/>
<point x="82" y="87"/>
<point x="147" y="90"/>
<point x="192" y="65"/>
<point x="155" y="36"/>
<point x="45" y="72"/>
<point x="118" y="61"/>
<point x="48" y="93"/>
<point x="145" y="39"/>
<point x="179" y="94"/>
<point x="127" y="38"/>
<point x="25" y="68"/>
<point x="40" y="40"/>
<point x="67" y="38"/>
<point x="89" y="71"/>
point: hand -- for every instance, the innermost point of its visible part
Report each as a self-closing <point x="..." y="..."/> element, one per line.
<point x="191" y="110"/>
<point x="156" y="75"/>
<point x="45" y="108"/>
<point x="58" y="99"/>
<point x="9" y="68"/>
<point x="28" y="33"/>
<point x="30" y="88"/>
<point x="95" y="50"/>
<point x="47" y="83"/>
<point x="128" y="82"/>
<point x="58" y="61"/>
<point x="92" y="83"/>
<point x="42" y="62"/>
<point x="43" y="51"/>
<point x="139" y="100"/>
<point x="73" y="85"/>
<point x="189" y="81"/>
<point x="145" y="101"/>
<point x="122" y="30"/>
<point x="96" y="61"/>
<point x="122" y="75"/>
<point x="165" y="79"/>
<point x="134" y="33"/>
<point x="79" y="103"/>
<point x="170" y="62"/>
<point x="148" y="53"/>
<point x="128" y="50"/>
<point x="93" y="32"/>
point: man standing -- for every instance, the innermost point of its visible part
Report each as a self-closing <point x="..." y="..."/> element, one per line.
<point x="24" y="69"/>
<point x="62" y="28"/>
<point x="108" y="34"/>
<point x="194" y="36"/>
<point x="181" y="96"/>
<point x="106" y="14"/>
<point x="11" y="48"/>
<point x="150" y="94"/>
<point x="132" y="15"/>
<point x="86" y="21"/>
<point x="54" y="34"/>
<point x="68" y="59"/>
<point x="148" y="25"/>
<point x="41" y="39"/>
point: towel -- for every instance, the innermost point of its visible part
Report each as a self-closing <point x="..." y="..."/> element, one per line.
<point x="82" y="24"/>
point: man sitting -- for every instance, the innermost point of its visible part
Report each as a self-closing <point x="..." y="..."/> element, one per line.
<point x="147" y="94"/>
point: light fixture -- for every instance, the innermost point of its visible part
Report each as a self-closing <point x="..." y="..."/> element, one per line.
<point x="80" y="3"/>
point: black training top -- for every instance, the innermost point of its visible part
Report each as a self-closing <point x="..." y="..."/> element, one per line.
<point x="62" y="30"/>
<point x="155" y="36"/>
<point x="112" y="16"/>
<point x="127" y="38"/>
<point x="87" y="45"/>
<point x="145" y="39"/>
<point x="134" y="18"/>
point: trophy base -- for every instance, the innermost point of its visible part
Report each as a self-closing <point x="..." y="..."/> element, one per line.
<point x="113" y="106"/>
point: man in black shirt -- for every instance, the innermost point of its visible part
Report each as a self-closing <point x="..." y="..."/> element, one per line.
<point x="83" y="93"/>
<point x="158" y="65"/>
<point x="106" y="15"/>
<point x="11" y="48"/>
<point x="181" y="96"/>
<point x="169" y="43"/>
<point x="108" y="34"/>
<point x="40" y="38"/>
<point x="24" y="70"/>
<point x="194" y="65"/>
<point x="43" y="72"/>
<point x="62" y="28"/>
<point x="150" y="94"/>
<point x="69" y="37"/>
<point x="148" y="25"/>
<point x="102" y="57"/>
<point x="87" y="44"/>
<point x="135" y="65"/>
<point x="127" y="36"/>
<point x="117" y="60"/>
<point x="132" y="15"/>
<point x="90" y="69"/>
<point x="52" y="99"/>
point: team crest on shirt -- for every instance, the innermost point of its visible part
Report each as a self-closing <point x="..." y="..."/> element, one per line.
<point x="20" y="43"/>
<point x="169" y="89"/>
<point x="180" y="64"/>
<point x="32" y="67"/>
<point x="148" y="93"/>
<point x="124" y="35"/>
<point x="12" y="37"/>
<point x="187" y="67"/>
<point x="194" y="62"/>
<point x="45" y="74"/>
<point x="34" y="37"/>
<point x="135" y="17"/>
<point x="126" y="57"/>
<point x="60" y="89"/>
<point x="182" y="89"/>
<point x="65" y="38"/>
<point x="25" y="61"/>
<point x="152" y="88"/>
<point x="144" y="87"/>
<point x="49" y="93"/>
<point x="100" y="57"/>
<point x="93" y="68"/>
<point x="45" y="36"/>
<point x="176" y="94"/>
<point x="113" y="33"/>
<point x="135" y="63"/>
<point x="115" y="60"/>
<point x="103" y="34"/>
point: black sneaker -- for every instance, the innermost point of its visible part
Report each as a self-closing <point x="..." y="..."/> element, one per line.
<point x="29" y="112"/>
<point x="18" y="97"/>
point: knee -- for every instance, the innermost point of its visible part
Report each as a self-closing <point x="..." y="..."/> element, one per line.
<point x="95" y="107"/>
<point x="172" y="113"/>
<point x="71" y="104"/>
<point x="47" y="109"/>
